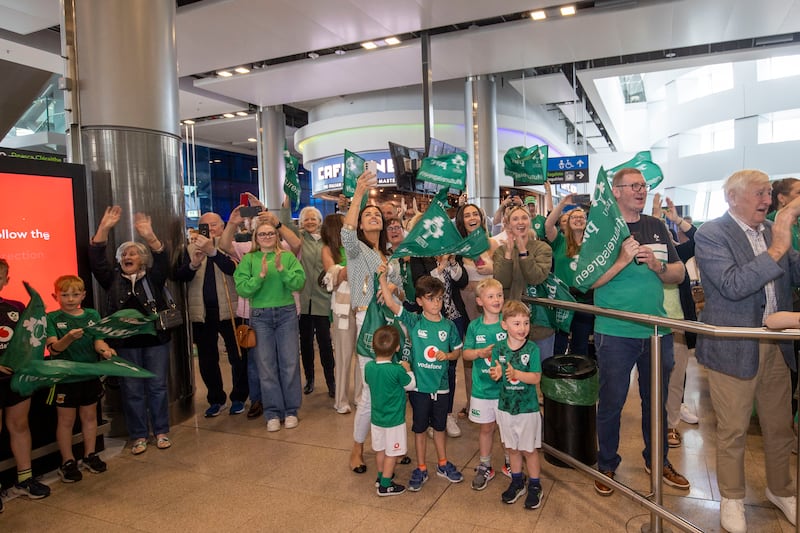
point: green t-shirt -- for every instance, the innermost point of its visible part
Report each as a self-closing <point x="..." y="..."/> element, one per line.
<point x="517" y="397"/>
<point x="81" y="350"/>
<point x="562" y="264"/>
<point x="637" y="288"/>
<point x="426" y="338"/>
<point x="795" y="230"/>
<point x="386" y="381"/>
<point x="537" y="224"/>
<point x="480" y="335"/>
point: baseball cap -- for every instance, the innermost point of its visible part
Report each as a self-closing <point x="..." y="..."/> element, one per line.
<point x="530" y="200"/>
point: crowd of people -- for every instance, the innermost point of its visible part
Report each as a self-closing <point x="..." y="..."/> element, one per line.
<point x="294" y="284"/>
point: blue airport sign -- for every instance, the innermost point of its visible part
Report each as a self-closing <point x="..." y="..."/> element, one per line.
<point x="568" y="169"/>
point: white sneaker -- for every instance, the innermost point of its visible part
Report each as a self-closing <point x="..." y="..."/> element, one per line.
<point x="787" y="505"/>
<point x="731" y="515"/>
<point x="688" y="416"/>
<point x="273" y="424"/>
<point x="291" y="422"/>
<point x="452" y="426"/>
<point x="343" y="410"/>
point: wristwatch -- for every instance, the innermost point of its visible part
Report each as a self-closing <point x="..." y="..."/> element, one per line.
<point x="663" y="268"/>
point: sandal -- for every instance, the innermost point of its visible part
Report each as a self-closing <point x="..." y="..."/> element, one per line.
<point x="139" y="447"/>
<point x="163" y="442"/>
<point x="674" y="438"/>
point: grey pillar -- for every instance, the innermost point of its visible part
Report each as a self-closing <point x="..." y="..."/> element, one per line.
<point x="271" y="124"/>
<point x="480" y="125"/>
<point x="128" y="89"/>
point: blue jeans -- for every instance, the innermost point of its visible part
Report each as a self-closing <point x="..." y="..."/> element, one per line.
<point x="616" y="357"/>
<point x="146" y="400"/>
<point x="546" y="347"/>
<point x="254" y="384"/>
<point x="277" y="355"/>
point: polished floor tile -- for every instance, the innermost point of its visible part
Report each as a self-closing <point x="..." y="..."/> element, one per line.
<point x="229" y="474"/>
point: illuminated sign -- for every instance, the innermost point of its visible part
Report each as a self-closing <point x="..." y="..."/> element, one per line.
<point x="327" y="174"/>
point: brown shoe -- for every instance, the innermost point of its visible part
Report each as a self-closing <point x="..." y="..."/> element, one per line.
<point x="604" y="490"/>
<point x="256" y="410"/>
<point x="674" y="438"/>
<point x="671" y="477"/>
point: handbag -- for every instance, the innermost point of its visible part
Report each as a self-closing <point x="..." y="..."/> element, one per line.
<point x="168" y="318"/>
<point x="245" y="336"/>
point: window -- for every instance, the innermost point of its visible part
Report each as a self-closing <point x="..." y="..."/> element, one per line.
<point x="706" y="139"/>
<point x="704" y="81"/>
<point x="780" y="126"/>
<point x="773" y="68"/>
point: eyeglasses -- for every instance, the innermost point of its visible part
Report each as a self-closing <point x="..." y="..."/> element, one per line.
<point x="265" y="234"/>
<point x="635" y="187"/>
<point x="577" y="217"/>
<point x="434" y="298"/>
<point x="394" y="228"/>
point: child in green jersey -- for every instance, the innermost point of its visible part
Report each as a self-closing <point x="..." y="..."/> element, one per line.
<point x="516" y="365"/>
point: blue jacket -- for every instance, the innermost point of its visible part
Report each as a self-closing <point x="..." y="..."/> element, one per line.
<point x="733" y="280"/>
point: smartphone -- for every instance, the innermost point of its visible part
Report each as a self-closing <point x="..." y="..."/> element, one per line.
<point x="371" y="166"/>
<point x="244" y="199"/>
<point x="582" y="199"/>
<point x="203" y="230"/>
<point x="250" y="211"/>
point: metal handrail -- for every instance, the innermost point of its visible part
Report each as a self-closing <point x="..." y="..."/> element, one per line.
<point x="657" y="510"/>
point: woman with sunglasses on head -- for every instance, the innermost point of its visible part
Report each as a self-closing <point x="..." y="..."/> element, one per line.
<point x="268" y="275"/>
<point x="566" y="246"/>
<point x="366" y="247"/>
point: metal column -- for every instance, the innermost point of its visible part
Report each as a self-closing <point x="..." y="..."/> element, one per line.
<point x="480" y="125"/>
<point x="271" y="124"/>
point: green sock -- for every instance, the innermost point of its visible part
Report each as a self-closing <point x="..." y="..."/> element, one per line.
<point x="23" y="475"/>
<point x="386" y="481"/>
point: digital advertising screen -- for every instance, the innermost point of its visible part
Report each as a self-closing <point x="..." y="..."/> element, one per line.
<point x="43" y="226"/>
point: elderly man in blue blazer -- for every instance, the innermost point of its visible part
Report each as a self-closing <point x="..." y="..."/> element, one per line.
<point x="748" y="269"/>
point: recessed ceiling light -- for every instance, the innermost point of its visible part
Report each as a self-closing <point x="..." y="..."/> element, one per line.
<point x="391" y="41"/>
<point x="313" y="55"/>
<point x="252" y="140"/>
<point x="228" y="115"/>
<point x="538" y="15"/>
<point x="566" y="11"/>
<point x="241" y="70"/>
<point x="217" y="161"/>
<point x="188" y="122"/>
<point x="340" y="52"/>
<point x="224" y="73"/>
<point x="242" y="113"/>
<point x="369" y="45"/>
<point x="253" y="168"/>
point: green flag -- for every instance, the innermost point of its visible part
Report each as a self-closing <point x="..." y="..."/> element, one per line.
<point x="554" y="289"/>
<point x="642" y="162"/>
<point x="38" y="374"/>
<point x="448" y="171"/>
<point x="123" y="323"/>
<point x="527" y="165"/>
<point x="353" y="168"/>
<point x="435" y="234"/>
<point x="605" y="231"/>
<point x="30" y="334"/>
<point x="291" y="183"/>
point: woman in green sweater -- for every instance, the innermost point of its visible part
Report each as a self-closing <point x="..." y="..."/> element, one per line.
<point x="267" y="276"/>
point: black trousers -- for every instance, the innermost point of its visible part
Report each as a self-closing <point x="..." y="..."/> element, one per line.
<point x="320" y="327"/>
<point x="205" y="337"/>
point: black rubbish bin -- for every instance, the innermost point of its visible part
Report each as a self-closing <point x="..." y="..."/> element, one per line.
<point x="570" y="384"/>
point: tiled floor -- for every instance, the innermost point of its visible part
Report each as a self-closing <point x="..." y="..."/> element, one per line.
<point x="228" y="473"/>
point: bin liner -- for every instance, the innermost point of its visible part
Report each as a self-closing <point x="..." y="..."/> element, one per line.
<point x="570" y="379"/>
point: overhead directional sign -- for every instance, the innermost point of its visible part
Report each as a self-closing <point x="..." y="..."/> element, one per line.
<point x="568" y="169"/>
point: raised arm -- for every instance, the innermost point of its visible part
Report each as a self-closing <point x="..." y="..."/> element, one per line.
<point x="551" y="223"/>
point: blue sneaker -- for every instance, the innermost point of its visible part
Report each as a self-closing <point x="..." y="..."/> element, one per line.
<point x="214" y="410"/>
<point x="534" y="499"/>
<point x="449" y="471"/>
<point x="237" y="408"/>
<point x="418" y="478"/>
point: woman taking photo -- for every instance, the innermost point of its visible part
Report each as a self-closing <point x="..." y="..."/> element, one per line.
<point x="566" y="247"/>
<point x="365" y="244"/>
<point x="137" y="281"/>
<point x="267" y="275"/>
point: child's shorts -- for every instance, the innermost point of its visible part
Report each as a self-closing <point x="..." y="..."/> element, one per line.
<point x="392" y="440"/>
<point x="521" y="432"/>
<point x="8" y="397"/>
<point x="428" y="410"/>
<point x="78" y="394"/>
<point x="482" y="411"/>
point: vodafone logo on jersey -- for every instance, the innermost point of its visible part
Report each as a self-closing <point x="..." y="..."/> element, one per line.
<point x="430" y="353"/>
<point x="488" y="360"/>
<point x="6" y="333"/>
<point x="513" y="382"/>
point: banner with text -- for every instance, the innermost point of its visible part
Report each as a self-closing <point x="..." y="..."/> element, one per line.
<point x="448" y="171"/>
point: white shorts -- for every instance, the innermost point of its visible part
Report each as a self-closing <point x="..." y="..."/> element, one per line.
<point x="391" y="440"/>
<point x="521" y="432"/>
<point x="482" y="411"/>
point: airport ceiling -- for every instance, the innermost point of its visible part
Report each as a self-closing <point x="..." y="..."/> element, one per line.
<point x="290" y="46"/>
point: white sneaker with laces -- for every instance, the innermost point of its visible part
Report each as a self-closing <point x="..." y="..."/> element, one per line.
<point x="787" y="505"/>
<point x="273" y="424"/>
<point x="687" y="415"/>
<point x="452" y="426"/>
<point x="731" y="515"/>
<point x="291" y="422"/>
